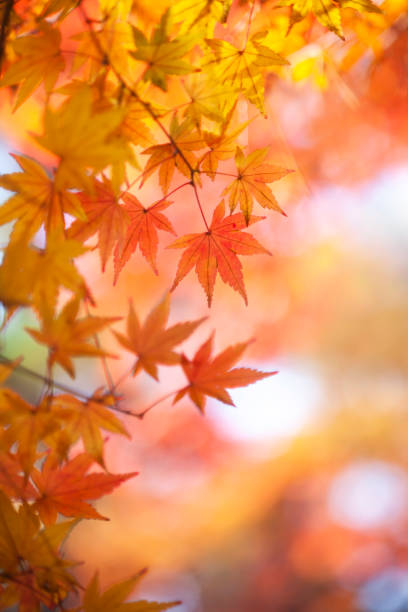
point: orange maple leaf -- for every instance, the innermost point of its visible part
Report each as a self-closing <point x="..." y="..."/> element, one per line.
<point x="105" y="216"/>
<point x="113" y="598"/>
<point x="39" y="59"/>
<point x="217" y="250"/>
<point x="67" y="336"/>
<point x="84" y="419"/>
<point x="27" y="425"/>
<point x="212" y="377"/>
<point x="252" y="176"/>
<point x="36" y="201"/>
<point x="30" y="560"/>
<point x="12" y="481"/>
<point x="151" y="342"/>
<point x="63" y="490"/>
<point x="142" y="231"/>
<point x="175" y="154"/>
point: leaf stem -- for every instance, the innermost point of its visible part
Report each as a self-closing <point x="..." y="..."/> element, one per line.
<point x="161" y="399"/>
<point x="199" y="203"/>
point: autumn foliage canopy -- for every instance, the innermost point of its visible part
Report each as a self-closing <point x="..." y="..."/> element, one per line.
<point x="129" y="95"/>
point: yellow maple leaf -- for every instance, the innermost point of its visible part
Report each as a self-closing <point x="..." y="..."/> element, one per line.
<point x="327" y="12"/>
<point x="202" y="14"/>
<point x="29" y="556"/>
<point x="84" y="419"/>
<point x="36" y="201"/>
<point x="55" y="268"/>
<point x="39" y="60"/>
<point x="113" y="598"/>
<point x="83" y="140"/>
<point x="67" y="336"/>
<point x="251" y="182"/>
<point x="161" y="55"/>
<point x="244" y="68"/>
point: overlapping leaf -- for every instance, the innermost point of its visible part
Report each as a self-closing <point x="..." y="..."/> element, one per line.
<point x="104" y="215"/>
<point x="141" y="231"/>
<point x="84" y="419"/>
<point x="243" y="68"/>
<point x="83" y="139"/>
<point x="37" y="202"/>
<point x="64" y="489"/>
<point x="67" y="336"/>
<point x="327" y="12"/>
<point x="25" y="426"/>
<point x="161" y="55"/>
<point x="250" y="184"/>
<point x="212" y="376"/>
<point x="32" y="566"/>
<point x="217" y="250"/>
<point x="56" y="268"/>
<point x="38" y="60"/>
<point x="178" y="153"/>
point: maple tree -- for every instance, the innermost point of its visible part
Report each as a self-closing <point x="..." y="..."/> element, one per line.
<point x="129" y="96"/>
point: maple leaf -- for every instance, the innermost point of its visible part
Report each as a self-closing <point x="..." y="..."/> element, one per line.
<point x="26" y="425"/>
<point x="36" y="201"/>
<point x="176" y="154"/>
<point x="200" y="13"/>
<point x="161" y="55"/>
<point x="113" y="598"/>
<point x="243" y="68"/>
<point x="142" y="231"/>
<point x="133" y="126"/>
<point x="39" y="60"/>
<point x="83" y="139"/>
<point x="216" y="250"/>
<point x="327" y="12"/>
<point x="206" y="99"/>
<point x="67" y="337"/>
<point x="30" y="559"/>
<point x="252" y="176"/>
<point x="116" y="36"/>
<point x="104" y="215"/>
<point x="64" y="490"/>
<point x="84" y="419"/>
<point x="212" y="376"/>
<point x="222" y="145"/>
<point x="151" y="342"/>
<point x="56" y="268"/>
<point x="12" y="481"/>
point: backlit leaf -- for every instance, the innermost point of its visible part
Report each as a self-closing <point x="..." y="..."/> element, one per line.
<point x="217" y="250"/>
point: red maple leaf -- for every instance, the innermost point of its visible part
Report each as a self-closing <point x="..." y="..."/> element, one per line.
<point x="105" y="216"/>
<point x="142" y="231"/>
<point x="217" y="250"/>
<point x="212" y="376"/>
<point x="65" y="489"/>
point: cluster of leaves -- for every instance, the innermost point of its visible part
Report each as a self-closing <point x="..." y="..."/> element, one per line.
<point x="125" y="99"/>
